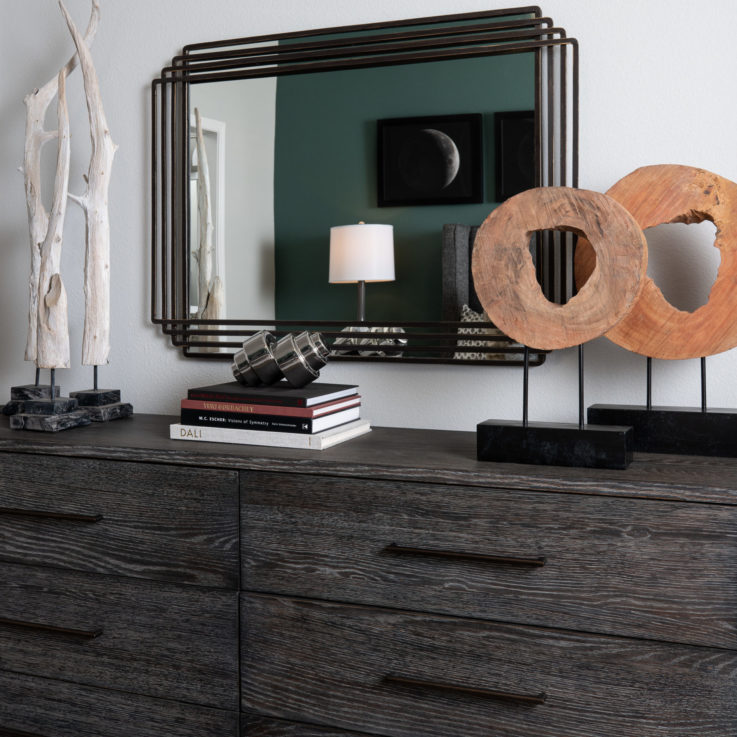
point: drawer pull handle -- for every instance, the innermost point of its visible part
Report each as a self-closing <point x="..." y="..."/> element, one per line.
<point x="502" y="695"/>
<point x="42" y="514"/>
<point x="16" y="733"/>
<point x="86" y="634"/>
<point x="508" y="559"/>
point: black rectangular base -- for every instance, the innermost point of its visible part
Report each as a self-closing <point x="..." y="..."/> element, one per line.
<point x="96" y="397"/>
<point x="679" y="430"/>
<point x="554" y="444"/>
<point x="49" y="423"/>
<point x="108" y="412"/>
<point x="57" y="406"/>
<point x="33" y="391"/>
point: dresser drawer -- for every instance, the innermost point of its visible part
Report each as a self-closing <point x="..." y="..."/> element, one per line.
<point x="655" y="569"/>
<point x="407" y="674"/>
<point x="258" y="726"/>
<point x="39" y="707"/>
<point x="164" y="640"/>
<point x="132" y="519"/>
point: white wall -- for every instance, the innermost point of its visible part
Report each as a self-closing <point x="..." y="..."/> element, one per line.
<point x="657" y="86"/>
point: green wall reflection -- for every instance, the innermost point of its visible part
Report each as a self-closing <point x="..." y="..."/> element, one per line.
<point x="326" y="167"/>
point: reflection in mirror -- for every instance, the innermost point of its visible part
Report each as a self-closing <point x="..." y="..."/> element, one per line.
<point x="302" y="158"/>
<point x="243" y="197"/>
<point x="206" y="193"/>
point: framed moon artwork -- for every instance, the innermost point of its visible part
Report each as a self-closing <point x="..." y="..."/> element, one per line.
<point x="430" y="160"/>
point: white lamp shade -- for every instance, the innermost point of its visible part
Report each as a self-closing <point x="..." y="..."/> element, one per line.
<point x="363" y="252"/>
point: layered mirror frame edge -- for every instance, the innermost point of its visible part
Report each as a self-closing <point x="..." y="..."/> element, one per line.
<point x="556" y="164"/>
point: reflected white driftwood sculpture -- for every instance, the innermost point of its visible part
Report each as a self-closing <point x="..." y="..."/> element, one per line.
<point x="94" y="202"/>
<point x="37" y="103"/>
<point x="205" y="251"/>
<point x="210" y="293"/>
<point x="210" y="297"/>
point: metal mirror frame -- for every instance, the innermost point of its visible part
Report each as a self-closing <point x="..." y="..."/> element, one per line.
<point x="399" y="42"/>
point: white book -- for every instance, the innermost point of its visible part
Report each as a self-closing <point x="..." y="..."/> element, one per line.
<point x="315" y="441"/>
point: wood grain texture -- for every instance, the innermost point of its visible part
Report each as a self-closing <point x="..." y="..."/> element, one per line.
<point x="504" y="274"/>
<point x="654" y="327"/>
<point x="325" y="663"/>
<point x="434" y="456"/>
<point x="615" y="542"/>
<point x="253" y="725"/>
<point x="177" y="642"/>
<point x="159" y="522"/>
<point x="662" y="570"/>
<point x="55" y="709"/>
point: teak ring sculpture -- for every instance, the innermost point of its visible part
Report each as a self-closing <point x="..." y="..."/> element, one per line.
<point x="654" y="327"/>
<point x="504" y="274"/>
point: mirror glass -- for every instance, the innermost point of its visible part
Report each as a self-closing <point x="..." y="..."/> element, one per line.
<point x="291" y="156"/>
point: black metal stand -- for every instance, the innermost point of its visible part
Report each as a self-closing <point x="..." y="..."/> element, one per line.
<point x="680" y="430"/>
<point x="102" y="405"/>
<point x="554" y="444"/>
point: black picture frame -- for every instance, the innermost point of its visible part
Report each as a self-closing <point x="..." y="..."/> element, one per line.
<point x="430" y="160"/>
<point x="514" y="134"/>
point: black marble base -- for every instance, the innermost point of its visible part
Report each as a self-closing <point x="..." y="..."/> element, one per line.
<point x="22" y="396"/>
<point x="96" y="397"/>
<point x="57" y="406"/>
<point x="554" y="444"/>
<point x="61" y="413"/>
<point x="107" y="412"/>
<point x="679" y="430"/>
<point x="13" y="406"/>
<point x="33" y="391"/>
<point x="49" y="423"/>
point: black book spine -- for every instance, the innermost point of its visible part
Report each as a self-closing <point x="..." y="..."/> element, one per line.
<point x="242" y="399"/>
<point x="245" y="421"/>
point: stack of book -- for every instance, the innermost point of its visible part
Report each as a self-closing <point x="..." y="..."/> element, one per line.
<point x="316" y="416"/>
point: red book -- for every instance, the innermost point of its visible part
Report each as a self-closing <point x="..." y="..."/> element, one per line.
<point x="317" y="410"/>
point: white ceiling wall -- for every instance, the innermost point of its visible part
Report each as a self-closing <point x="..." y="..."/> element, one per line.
<point x="657" y="86"/>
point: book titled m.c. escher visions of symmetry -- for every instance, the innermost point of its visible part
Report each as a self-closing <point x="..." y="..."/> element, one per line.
<point x="316" y="416"/>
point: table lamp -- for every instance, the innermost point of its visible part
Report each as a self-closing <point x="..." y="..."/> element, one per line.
<point x="361" y="253"/>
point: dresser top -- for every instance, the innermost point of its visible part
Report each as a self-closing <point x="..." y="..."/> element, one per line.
<point x="428" y="456"/>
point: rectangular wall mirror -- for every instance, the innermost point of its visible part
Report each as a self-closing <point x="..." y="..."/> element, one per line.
<point x="392" y="123"/>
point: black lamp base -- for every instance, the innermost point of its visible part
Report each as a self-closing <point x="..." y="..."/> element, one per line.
<point x="679" y="430"/>
<point x="552" y="444"/>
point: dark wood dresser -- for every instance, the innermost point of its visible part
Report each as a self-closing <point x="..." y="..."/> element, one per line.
<point x="389" y="586"/>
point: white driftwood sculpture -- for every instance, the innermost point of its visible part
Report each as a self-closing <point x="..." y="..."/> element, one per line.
<point x="37" y="103"/>
<point x="53" y="326"/>
<point x="94" y="202"/>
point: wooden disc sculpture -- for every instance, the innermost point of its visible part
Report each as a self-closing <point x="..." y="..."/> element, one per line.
<point x="504" y="274"/>
<point x="653" y="327"/>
